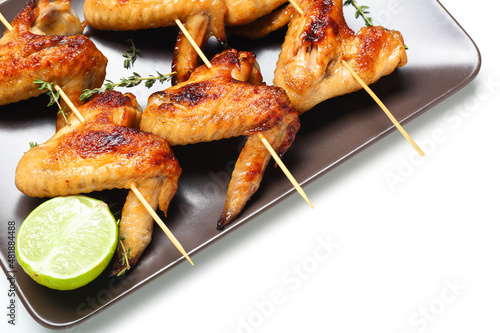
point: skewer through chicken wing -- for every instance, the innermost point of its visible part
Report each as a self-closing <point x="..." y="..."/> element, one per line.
<point x="105" y="153"/>
<point x="226" y="101"/>
<point x="309" y="67"/>
<point x="30" y="52"/>
<point x="202" y="19"/>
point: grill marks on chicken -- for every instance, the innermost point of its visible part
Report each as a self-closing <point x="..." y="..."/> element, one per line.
<point x="228" y="100"/>
<point x="202" y="19"/>
<point x="72" y="62"/>
<point x="105" y="153"/>
<point x="309" y="67"/>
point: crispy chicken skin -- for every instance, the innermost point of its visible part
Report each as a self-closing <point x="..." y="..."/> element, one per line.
<point x="105" y="153"/>
<point x="145" y="14"/>
<point x="226" y="101"/>
<point x="57" y="18"/>
<point x="72" y="62"/>
<point x="202" y="19"/>
<point x="309" y="67"/>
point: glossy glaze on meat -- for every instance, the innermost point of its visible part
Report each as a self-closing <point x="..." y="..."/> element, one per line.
<point x="57" y="18"/>
<point x="105" y="153"/>
<point x="202" y="19"/>
<point x="226" y="101"/>
<point x="72" y="62"/>
<point x="309" y="67"/>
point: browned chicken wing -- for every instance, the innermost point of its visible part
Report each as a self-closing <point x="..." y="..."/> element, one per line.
<point x="72" y="62"/>
<point x="226" y="101"/>
<point x="105" y="153"/>
<point x="57" y="18"/>
<point x="309" y="67"/>
<point x="202" y="18"/>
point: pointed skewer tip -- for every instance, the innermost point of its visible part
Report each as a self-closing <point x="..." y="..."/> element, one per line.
<point x="383" y="107"/>
<point x="160" y="223"/>
<point x="271" y="150"/>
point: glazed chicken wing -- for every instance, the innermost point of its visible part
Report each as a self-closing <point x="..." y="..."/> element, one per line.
<point x="57" y="18"/>
<point x="202" y="18"/>
<point x="29" y="52"/>
<point x="309" y="67"/>
<point x="226" y="101"/>
<point x="105" y="153"/>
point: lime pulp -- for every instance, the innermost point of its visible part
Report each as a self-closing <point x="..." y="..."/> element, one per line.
<point x="67" y="242"/>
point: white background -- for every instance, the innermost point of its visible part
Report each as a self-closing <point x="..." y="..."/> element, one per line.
<point x="420" y="257"/>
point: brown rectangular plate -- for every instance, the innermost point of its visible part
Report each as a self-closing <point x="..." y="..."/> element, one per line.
<point x="442" y="60"/>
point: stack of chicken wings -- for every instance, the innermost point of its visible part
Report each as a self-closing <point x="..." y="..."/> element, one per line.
<point x="225" y="101"/>
<point x="118" y="145"/>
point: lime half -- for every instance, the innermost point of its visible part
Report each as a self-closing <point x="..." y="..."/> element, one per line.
<point x="66" y="242"/>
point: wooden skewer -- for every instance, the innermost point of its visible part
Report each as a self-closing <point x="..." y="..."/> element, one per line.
<point x="134" y="189"/>
<point x="160" y="223"/>
<point x="70" y="104"/>
<point x="193" y="43"/>
<point x="264" y="141"/>
<point x="5" y="22"/>
<point x="383" y="107"/>
<point x="301" y="12"/>
<point x="375" y="97"/>
<point x="285" y="169"/>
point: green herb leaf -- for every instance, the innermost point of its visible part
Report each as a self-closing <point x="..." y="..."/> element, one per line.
<point x="363" y="12"/>
<point x="130" y="55"/>
<point x="128" y="82"/>
<point x="360" y="11"/>
<point x="122" y="272"/>
<point x="53" y="95"/>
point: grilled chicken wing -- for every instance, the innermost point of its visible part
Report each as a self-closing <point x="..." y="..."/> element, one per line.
<point x="202" y="18"/>
<point x="104" y="153"/>
<point x="309" y="67"/>
<point x="226" y="101"/>
<point x="72" y="62"/>
<point x="57" y="18"/>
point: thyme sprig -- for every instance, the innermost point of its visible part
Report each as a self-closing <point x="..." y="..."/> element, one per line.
<point x="125" y="257"/>
<point x="130" y="55"/>
<point x="363" y="12"/>
<point x="128" y="82"/>
<point x="360" y="11"/>
<point x="124" y="252"/>
<point x="53" y="95"/>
